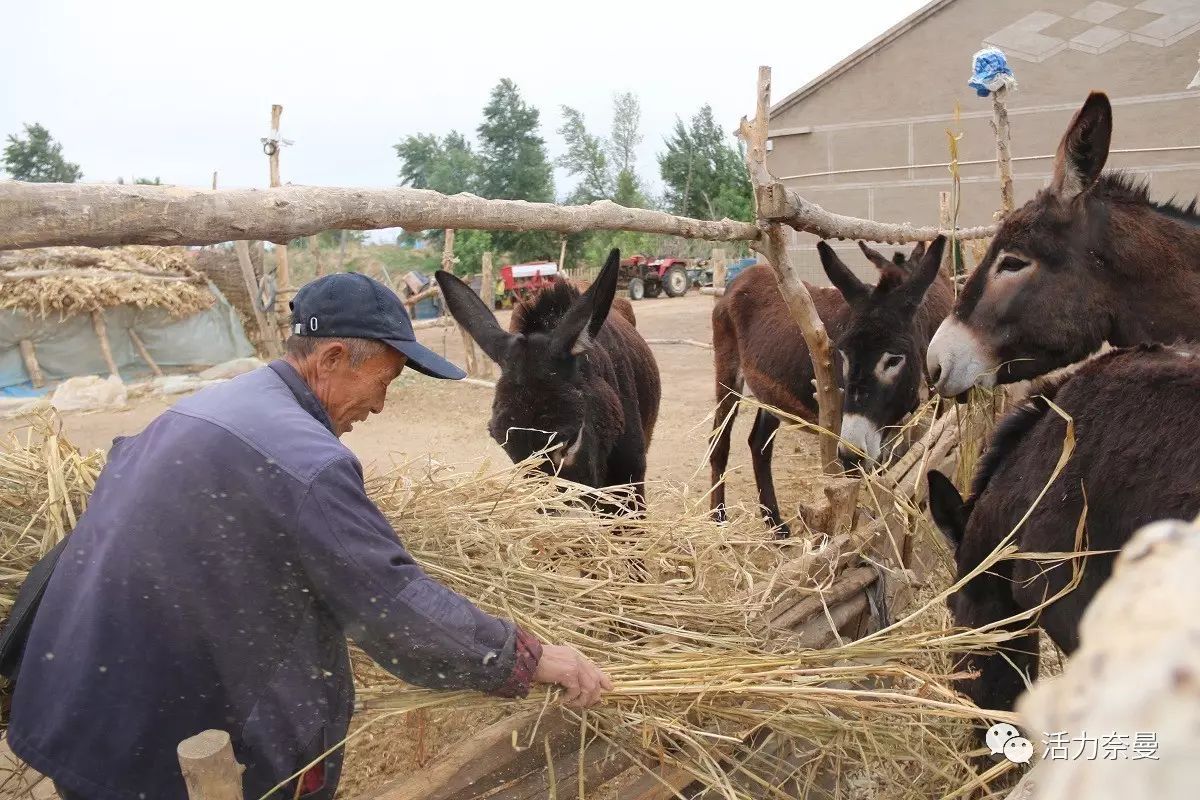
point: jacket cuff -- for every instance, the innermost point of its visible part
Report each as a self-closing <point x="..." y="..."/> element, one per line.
<point x="528" y="654"/>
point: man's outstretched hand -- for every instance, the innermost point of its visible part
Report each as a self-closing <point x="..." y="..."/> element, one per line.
<point x="582" y="681"/>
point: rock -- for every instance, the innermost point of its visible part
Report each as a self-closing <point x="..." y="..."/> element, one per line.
<point x="89" y="392"/>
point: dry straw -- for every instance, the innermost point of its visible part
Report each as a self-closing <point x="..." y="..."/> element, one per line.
<point x="671" y="605"/>
<point x="65" y="281"/>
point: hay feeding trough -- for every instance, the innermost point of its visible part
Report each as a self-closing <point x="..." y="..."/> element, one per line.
<point x="712" y="690"/>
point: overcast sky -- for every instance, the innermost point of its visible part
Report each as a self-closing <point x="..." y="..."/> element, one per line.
<point x="177" y="90"/>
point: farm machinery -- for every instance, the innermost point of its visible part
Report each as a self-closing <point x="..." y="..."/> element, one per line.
<point x="643" y="276"/>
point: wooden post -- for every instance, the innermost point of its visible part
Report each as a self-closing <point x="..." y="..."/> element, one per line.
<point x="267" y="332"/>
<point x="1003" y="156"/>
<point x="102" y="335"/>
<point x="946" y="220"/>
<point x="487" y="293"/>
<point x="214" y="180"/>
<point x="209" y="768"/>
<point x="281" y="251"/>
<point x="773" y="245"/>
<point x="719" y="266"/>
<point x="31" y="364"/>
<point x="468" y="342"/>
<point x="140" y="346"/>
<point x="314" y="244"/>
<point x="562" y="254"/>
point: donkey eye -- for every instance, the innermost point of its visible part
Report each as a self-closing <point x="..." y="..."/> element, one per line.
<point x="892" y="361"/>
<point x="1012" y="264"/>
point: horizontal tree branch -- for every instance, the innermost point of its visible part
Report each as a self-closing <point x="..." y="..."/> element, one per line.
<point x="777" y="203"/>
<point x="97" y="215"/>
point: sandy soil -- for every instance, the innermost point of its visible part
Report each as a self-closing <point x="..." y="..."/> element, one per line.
<point x="447" y="421"/>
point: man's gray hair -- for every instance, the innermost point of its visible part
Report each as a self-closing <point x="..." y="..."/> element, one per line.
<point x="301" y="347"/>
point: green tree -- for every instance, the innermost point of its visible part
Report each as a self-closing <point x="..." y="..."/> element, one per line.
<point x="585" y="157"/>
<point x="626" y="133"/>
<point x="469" y="247"/>
<point x="704" y="175"/>
<point x="628" y="192"/>
<point x="148" y="182"/>
<point x="38" y="158"/>
<point x="447" y="165"/>
<point x="513" y="165"/>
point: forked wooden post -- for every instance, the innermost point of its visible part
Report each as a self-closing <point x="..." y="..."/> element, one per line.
<point x="468" y="343"/>
<point x="209" y="768"/>
<point x="487" y="293"/>
<point x="270" y="336"/>
<point x="562" y="254"/>
<point x="105" y="346"/>
<point x="773" y="245"/>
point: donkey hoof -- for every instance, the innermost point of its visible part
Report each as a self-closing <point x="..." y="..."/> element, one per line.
<point x="719" y="515"/>
<point x="782" y="531"/>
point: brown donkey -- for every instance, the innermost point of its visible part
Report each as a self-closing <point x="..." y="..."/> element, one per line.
<point x="571" y="374"/>
<point x="1091" y="259"/>
<point x="880" y="332"/>
<point x="1135" y="462"/>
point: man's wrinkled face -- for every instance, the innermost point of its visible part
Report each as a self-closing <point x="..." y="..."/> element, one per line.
<point x="351" y="394"/>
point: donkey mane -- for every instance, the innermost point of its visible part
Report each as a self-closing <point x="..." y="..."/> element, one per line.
<point x="543" y="311"/>
<point x="891" y="278"/>
<point x="1125" y="187"/>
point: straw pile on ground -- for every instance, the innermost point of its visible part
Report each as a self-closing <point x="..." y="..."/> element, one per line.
<point x="78" y="280"/>
<point x="671" y="606"/>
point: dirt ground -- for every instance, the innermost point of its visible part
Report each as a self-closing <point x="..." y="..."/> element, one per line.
<point x="447" y="421"/>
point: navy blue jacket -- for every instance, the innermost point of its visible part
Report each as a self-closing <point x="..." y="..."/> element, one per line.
<point x="226" y="554"/>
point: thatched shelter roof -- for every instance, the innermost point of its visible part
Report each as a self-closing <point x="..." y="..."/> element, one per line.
<point x="79" y="280"/>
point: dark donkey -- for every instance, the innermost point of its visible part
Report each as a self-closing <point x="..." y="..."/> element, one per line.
<point x="881" y="334"/>
<point x="1134" y="412"/>
<point x="1091" y="259"/>
<point x="571" y="375"/>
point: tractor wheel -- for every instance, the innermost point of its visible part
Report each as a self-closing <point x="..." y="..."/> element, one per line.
<point x="676" y="282"/>
<point x="654" y="287"/>
<point x="637" y="289"/>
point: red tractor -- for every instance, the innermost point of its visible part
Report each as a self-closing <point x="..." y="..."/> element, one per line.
<point x="647" y="277"/>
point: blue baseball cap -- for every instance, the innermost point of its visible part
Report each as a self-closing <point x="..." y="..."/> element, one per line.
<point x="352" y="305"/>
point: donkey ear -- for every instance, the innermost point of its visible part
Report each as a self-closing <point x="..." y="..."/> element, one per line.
<point x="875" y="257"/>
<point x="917" y="252"/>
<point x="582" y="323"/>
<point x="475" y="317"/>
<point x="925" y="272"/>
<point x="840" y="275"/>
<point x="947" y="507"/>
<point x="1084" y="147"/>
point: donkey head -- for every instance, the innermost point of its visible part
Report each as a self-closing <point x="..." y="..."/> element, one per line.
<point x="985" y="599"/>
<point x="880" y="346"/>
<point x="543" y="398"/>
<point x="1040" y="298"/>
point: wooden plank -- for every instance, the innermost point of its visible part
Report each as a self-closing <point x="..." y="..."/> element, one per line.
<point x="486" y="760"/>
<point x="601" y="763"/>
<point x="31" y="364"/>
<point x="209" y="768"/>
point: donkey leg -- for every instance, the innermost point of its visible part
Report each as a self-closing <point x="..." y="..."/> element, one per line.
<point x="729" y="386"/>
<point x="762" y="447"/>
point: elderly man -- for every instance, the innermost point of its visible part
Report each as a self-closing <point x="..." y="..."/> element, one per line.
<point x="228" y="551"/>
